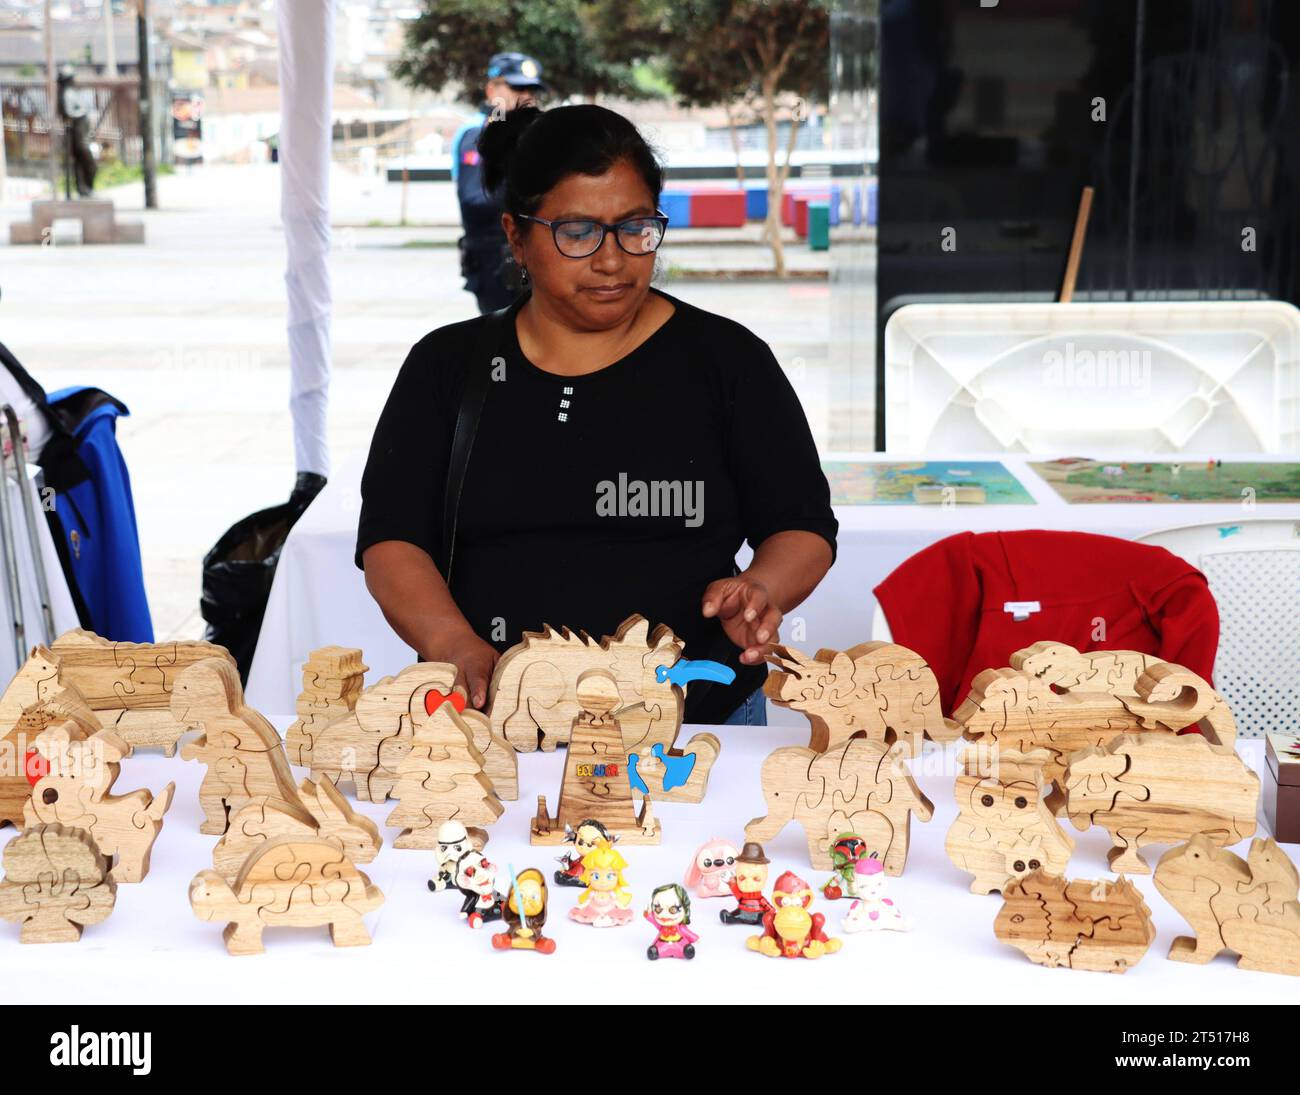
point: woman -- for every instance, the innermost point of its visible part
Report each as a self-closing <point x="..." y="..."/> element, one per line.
<point x="627" y="442"/>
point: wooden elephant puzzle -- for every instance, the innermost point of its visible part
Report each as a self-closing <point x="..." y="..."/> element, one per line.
<point x="56" y="882"/>
<point x="1103" y="926"/>
<point x="1247" y="906"/>
<point x="332" y="679"/>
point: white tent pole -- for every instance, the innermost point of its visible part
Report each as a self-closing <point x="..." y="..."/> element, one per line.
<point x="306" y="32"/>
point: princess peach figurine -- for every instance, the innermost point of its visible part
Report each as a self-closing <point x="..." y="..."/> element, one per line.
<point x="604" y="903"/>
<point x="712" y="869"/>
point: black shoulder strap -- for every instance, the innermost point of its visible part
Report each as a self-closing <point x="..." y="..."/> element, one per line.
<point x="477" y="379"/>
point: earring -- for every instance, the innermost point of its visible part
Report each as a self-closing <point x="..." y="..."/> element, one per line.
<point x="523" y="275"/>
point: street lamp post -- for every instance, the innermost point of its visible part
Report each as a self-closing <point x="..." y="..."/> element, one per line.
<point x="146" y="104"/>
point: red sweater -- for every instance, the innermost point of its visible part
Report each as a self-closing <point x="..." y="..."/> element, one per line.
<point x="946" y="602"/>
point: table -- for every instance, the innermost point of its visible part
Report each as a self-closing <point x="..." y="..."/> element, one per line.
<point x="153" y="950"/>
<point x="319" y="598"/>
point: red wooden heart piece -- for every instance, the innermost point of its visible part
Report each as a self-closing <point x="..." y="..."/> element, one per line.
<point x="433" y="699"/>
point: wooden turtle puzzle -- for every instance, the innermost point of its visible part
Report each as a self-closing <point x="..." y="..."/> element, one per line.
<point x="1103" y="926"/>
<point x="332" y="678"/>
<point x="1248" y="906"/>
<point x="1160" y="789"/>
<point x="56" y="882"/>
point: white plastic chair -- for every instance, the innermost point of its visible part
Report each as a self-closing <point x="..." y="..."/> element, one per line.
<point x="880" y="626"/>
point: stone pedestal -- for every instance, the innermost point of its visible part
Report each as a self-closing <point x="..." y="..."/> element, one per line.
<point x="98" y="221"/>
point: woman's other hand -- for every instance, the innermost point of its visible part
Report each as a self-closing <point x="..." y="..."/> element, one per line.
<point x="747" y="613"/>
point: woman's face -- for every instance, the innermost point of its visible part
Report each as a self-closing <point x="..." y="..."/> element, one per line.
<point x="606" y="288"/>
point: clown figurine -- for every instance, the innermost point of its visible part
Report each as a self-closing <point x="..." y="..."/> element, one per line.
<point x="790" y="930"/>
<point x="604" y="903"/>
<point x="476" y="878"/>
<point x="873" y="911"/>
<point x="582" y="840"/>
<point x="670" y="912"/>
<point x="845" y="852"/>
<point x="747" y="888"/>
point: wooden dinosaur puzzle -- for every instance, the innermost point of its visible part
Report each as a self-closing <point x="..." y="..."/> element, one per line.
<point x="1248" y="906"/>
<point x="596" y="783"/>
<point x="130" y="684"/>
<point x="332" y="678"/>
<point x="862" y="786"/>
<point x="440" y="779"/>
<point x="1053" y="697"/>
<point x="289" y="882"/>
<point x="243" y="753"/>
<point x="320" y="812"/>
<point x="1160" y="789"/>
<point x="882" y="691"/>
<point x="1102" y="926"/>
<point x="1004" y="829"/>
<point x="76" y="791"/>
<point x="56" y="882"/>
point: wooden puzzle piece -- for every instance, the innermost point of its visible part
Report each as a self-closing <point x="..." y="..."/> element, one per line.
<point x="332" y="682"/>
<point x="1230" y="908"/>
<point x="56" y="882"/>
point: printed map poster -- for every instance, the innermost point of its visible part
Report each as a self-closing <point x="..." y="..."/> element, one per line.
<point x="936" y="482"/>
<point x="1080" y="481"/>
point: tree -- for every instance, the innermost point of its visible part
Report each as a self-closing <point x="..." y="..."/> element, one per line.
<point x="451" y="40"/>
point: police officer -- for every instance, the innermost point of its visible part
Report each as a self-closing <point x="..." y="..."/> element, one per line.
<point x="513" y="79"/>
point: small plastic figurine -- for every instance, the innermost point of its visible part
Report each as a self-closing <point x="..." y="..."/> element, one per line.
<point x="454" y="841"/>
<point x="604" y="903"/>
<point x="712" y="869"/>
<point x="476" y="878"/>
<point x="582" y="840"/>
<point x="790" y="930"/>
<point x="670" y="912"/>
<point x="524" y="913"/>
<point x="747" y="888"/>
<point x="845" y="852"/>
<point x="873" y="911"/>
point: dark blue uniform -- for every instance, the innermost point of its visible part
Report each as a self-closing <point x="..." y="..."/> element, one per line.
<point x="485" y="260"/>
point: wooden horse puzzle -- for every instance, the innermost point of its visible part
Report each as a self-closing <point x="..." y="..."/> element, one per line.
<point x="56" y="882"/>
<point x="332" y="678"/>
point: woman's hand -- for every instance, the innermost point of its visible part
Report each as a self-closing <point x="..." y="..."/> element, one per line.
<point x="747" y="613"/>
<point x="473" y="658"/>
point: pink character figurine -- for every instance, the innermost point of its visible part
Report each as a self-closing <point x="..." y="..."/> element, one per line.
<point x="873" y="911"/>
<point x="712" y="869"/>
<point x="604" y="903"/>
<point x="670" y="912"/>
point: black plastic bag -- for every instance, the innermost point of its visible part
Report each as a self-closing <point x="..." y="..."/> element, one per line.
<point x="239" y="570"/>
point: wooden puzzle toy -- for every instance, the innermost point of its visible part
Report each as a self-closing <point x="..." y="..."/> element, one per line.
<point x="1246" y="906"/>
<point x="747" y="887"/>
<point x="670" y="914"/>
<point x="243" y="753"/>
<point x="872" y="910"/>
<point x="332" y="678"/>
<point x="713" y="868"/>
<point x="318" y="811"/>
<point x="1004" y="828"/>
<point x="476" y="879"/>
<point x="289" y="882"/>
<point x="583" y="838"/>
<point x="1102" y="926"/>
<point x="56" y="882"/>
<point x="1282" y="786"/>
<point x="20" y="763"/>
<point x="595" y="783"/>
<point x="441" y="779"/>
<point x="129" y="685"/>
<point x="524" y="913"/>
<point x="606" y="901"/>
<point x="861" y="786"/>
<point x="454" y="840"/>
<point x="845" y="852"/>
<point x="1160" y="789"/>
<point x="789" y="929"/>
<point x="1055" y="698"/>
<point x="880" y="690"/>
<point x="76" y="791"/>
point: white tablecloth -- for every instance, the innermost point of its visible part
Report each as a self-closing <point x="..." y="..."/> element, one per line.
<point x="319" y="598"/>
<point x="153" y="950"/>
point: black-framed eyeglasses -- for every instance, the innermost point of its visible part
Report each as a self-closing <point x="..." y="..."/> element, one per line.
<point x="576" y="239"/>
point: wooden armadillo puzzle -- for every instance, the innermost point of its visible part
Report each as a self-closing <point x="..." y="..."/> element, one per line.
<point x="1103" y="926"/>
<point x="1247" y="906"/>
<point x="1004" y="829"/>
<point x="882" y="691"/>
<point x="862" y="786"/>
<point x="1160" y="789"/>
<point x="332" y="679"/>
<point x="76" y="791"/>
<point x="56" y="882"/>
<point x="243" y="753"/>
<point x="289" y="882"/>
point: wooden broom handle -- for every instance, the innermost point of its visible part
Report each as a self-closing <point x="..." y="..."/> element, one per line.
<point x="1076" y="246"/>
